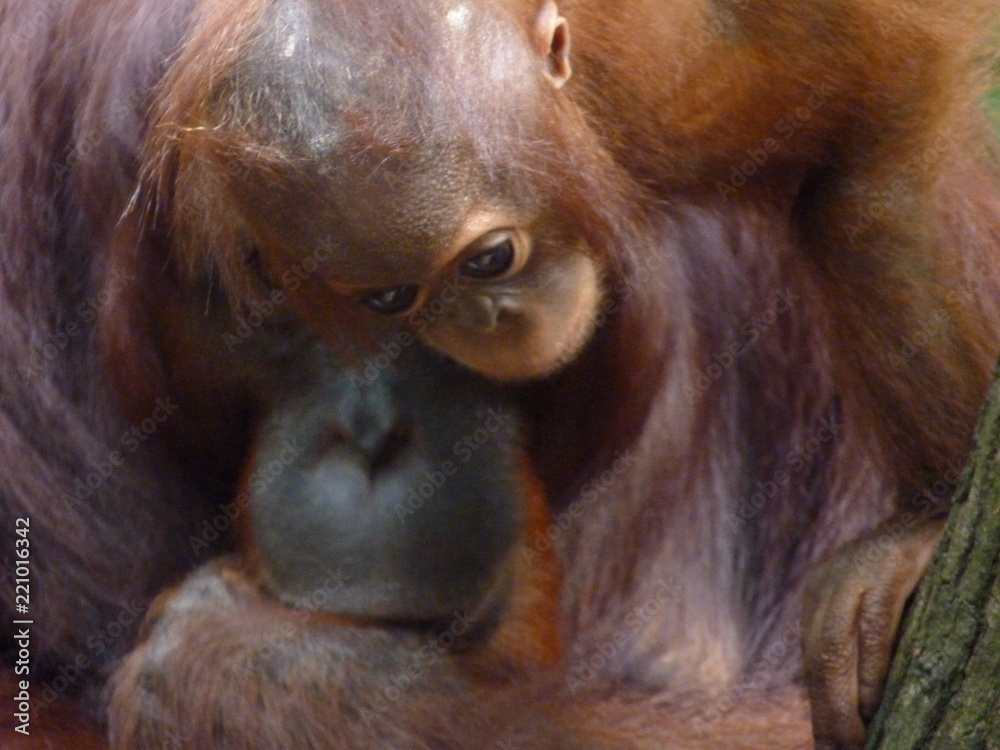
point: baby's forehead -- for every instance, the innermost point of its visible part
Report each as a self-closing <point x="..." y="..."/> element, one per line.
<point x="376" y="226"/>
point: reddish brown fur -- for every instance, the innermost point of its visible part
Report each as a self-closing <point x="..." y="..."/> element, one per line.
<point x="705" y="588"/>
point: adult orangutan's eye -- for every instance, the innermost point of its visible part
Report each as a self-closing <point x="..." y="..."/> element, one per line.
<point x="391" y="300"/>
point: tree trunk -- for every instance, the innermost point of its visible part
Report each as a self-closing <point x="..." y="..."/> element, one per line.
<point x="944" y="687"/>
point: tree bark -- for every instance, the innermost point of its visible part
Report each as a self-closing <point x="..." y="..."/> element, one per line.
<point x="943" y="691"/>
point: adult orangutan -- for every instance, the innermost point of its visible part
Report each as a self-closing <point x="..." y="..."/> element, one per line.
<point x="736" y="261"/>
<point x="396" y="514"/>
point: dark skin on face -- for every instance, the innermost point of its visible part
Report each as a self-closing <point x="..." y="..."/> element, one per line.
<point x="392" y="509"/>
<point x="735" y="264"/>
<point x="363" y="499"/>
